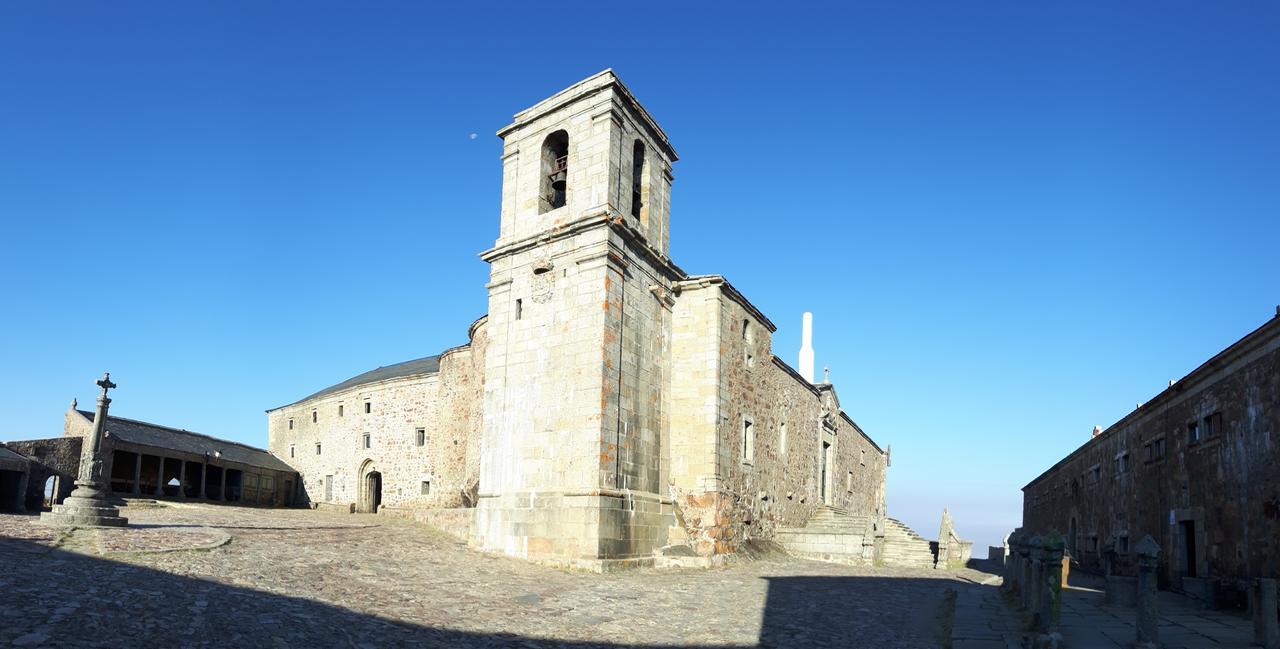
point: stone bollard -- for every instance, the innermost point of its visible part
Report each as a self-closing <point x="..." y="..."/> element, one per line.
<point x="1024" y="578"/>
<point x="1036" y="579"/>
<point x="1010" y="583"/>
<point x="1048" y="610"/>
<point x="1262" y="604"/>
<point x="1148" y="554"/>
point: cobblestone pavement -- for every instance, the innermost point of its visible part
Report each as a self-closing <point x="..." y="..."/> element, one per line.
<point x="204" y="575"/>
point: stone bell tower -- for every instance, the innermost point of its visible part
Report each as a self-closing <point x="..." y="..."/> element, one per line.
<point x="574" y="435"/>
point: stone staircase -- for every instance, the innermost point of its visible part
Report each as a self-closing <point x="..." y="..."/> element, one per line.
<point x="833" y="534"/>
<point x="903" y="547"/>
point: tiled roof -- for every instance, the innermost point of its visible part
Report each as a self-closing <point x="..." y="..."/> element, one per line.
<point x="428" y="365"/>
<point x="146" y="434"/>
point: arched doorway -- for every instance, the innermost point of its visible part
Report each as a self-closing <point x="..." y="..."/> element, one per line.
<point x="50" y="492"/>
<point x="370" y="488"/>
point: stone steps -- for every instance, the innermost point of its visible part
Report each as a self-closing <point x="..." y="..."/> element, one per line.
<point x="833" y="534"/>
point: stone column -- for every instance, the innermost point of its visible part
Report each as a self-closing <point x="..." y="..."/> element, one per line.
<point x="1049" y="610"/>
<point x="1024" y="577"/>
<point x="160" y="476"/>
<point x="222" y="491"/>
<point x="204" y="475"/>
<point x="137" y="475"/>
<point x="1148" y="554"/>
<point x="89" y="504"/>
<point x="182" y="478"/>
<point x="1262" y="604"/>
<point x="1010" y="562"/>
<point x="1036" y="578"/>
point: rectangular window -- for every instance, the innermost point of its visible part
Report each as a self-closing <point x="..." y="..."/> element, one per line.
<point x="317" y="448"/>
<point x="339" y="410"/>
<point x="290" y="423"/>
<point x="1122" y="544"/>
<point x="1193" y="432"/>
<point x="368" y="407"/>
<point x="848" y="482"/>
<point x="1157" y="449"/>
<point x="1093" y="543"/>
<point x="782" y="438"/>
<point x="1122" y="464"/>
<point x="1212" y="425"/>
<point x="421" y="434"/>
<point x="519" y="309"/>
<point x="368" y="440"/>
<point x="313" y="416"/>
<point x="291" y="450"/>
<point x="748" y="440"/>
<point x="863" y="461"/>
<point x="1095" y="474"/>
<point x="426" y="487"/>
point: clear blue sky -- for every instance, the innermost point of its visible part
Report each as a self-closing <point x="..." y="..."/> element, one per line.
<point x="1012" y="221"/>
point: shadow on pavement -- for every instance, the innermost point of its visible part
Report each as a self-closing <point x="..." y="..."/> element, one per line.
<point x="61" y="598"/>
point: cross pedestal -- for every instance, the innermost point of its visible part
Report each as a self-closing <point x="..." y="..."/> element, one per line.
<point x="89" y="505"/>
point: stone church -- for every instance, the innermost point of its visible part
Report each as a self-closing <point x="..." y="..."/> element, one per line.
<point x="610" y="404"/>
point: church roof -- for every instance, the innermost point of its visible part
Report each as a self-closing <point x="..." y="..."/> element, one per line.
<point x="427" y="365"/>
<point x="147" y="434"/>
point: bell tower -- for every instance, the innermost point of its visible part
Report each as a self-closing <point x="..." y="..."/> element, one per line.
<point x="574" y="430"/>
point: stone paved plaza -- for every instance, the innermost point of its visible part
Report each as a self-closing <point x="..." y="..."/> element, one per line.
<point x="205" y="575"/>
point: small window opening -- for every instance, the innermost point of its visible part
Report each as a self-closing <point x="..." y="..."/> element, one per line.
<point x="339" y="410"/>
<point x="368" y="440"/>
<point x="1212" y="425"/>
<point x="555" y="171"/>
<point x="1122" y="464"/>
<point x="748" y="441"/>
<point x="368" y="407"/>
<point x="313" y="416"/>
<point x="782" y="438"/>
<point x="291" y="450"/>
<point x="426" y="487"/>
<point x="1193" y="432"/>
<point x="422" y="436"/>
<point x="848" y="482"/>
<point x="637" y="177"/>
<point x="863" y="460"/>
<point x="317" y="448"/>
<point x="290" y="423"/>
<point x="519" y="309"/>
<point x="1122" y="544"/>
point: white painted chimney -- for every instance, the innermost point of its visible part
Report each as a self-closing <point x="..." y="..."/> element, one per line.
<point x="806" y="347"/>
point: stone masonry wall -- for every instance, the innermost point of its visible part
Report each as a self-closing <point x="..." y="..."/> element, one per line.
<point x="1220" y="493"/>
<point x="445" y="404"/>
<point x="58" y="458"/>
<point x="725" y="496"/>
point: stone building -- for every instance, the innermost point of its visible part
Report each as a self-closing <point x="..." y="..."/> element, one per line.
<point x="150" y="460"/>
<point x="1197" y="467"/>
<point x="14" y="473"/>
<point x="609" y="404"/>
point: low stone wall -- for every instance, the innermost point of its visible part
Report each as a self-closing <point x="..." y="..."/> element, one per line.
<point x="456" y="522"/>
<point x="336" y="508"/>
<point x="823" y="546"/>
